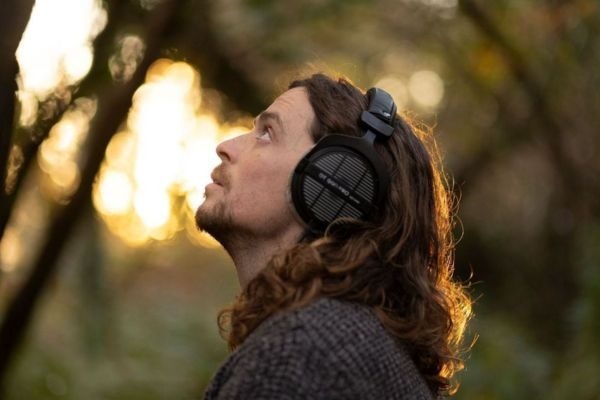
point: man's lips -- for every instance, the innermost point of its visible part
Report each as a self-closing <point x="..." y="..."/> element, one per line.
<point x="216" y="177"/>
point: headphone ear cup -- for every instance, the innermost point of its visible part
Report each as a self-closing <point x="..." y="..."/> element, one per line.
<point x="343" y="176"/>
<point x="336" y="179"/>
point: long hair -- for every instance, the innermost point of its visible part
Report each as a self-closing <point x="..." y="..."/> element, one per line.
<point x="400" y="264"/>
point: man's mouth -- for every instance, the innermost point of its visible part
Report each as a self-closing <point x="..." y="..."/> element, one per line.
<point x="216" y="177"/>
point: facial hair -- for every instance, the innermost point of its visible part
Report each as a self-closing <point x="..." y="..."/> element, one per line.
<point x="217" y="221"/>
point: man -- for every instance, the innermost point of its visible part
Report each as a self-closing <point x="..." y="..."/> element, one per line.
<point x="357" y="307"/>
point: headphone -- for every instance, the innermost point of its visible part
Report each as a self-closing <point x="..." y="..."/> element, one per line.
<point x="343" y="176"/>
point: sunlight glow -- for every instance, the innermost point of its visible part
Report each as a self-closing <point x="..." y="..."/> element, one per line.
<point x="153" y="206"/>
<point x="78" y="62"/>
<point x="59" y="152"/>
<point x="426" y="88"/>
<point x="114" y="196"/>
<point x="155" y="169"/>
<point x="395" y="87"/>
<point x="56" y="45"/>
<point x="22" y="237"/>
<point x="445" y="9"/>
<point x="440" y="3"/>
<point x="11" y="250"/>
<point x="154" y="173"/>
<point x="29" y="108"/>
<point x="123" y="64"/>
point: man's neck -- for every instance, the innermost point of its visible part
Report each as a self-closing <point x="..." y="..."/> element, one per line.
<point x="251" y="256"/>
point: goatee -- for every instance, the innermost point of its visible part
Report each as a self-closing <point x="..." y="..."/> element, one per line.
<point x="215" y="221"/>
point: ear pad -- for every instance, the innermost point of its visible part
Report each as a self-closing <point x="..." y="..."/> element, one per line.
<point x="342" y="176"/>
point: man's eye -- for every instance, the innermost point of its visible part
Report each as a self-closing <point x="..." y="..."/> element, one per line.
<point x="264" y="135"/>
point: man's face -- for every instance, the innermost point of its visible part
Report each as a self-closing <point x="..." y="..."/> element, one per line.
<point x="249" y="196"/>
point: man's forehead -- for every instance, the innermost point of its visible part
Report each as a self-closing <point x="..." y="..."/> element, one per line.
<point x="291" y="96"/>
<point x="291" y="107"/>
<point x="269" y="115"/>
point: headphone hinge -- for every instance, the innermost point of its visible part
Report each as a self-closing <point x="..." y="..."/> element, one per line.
<point x="371" y="122"/>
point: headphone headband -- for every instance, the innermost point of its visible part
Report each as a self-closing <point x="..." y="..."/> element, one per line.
<point x="378" y="119"/>
<point x="381" y="105"/>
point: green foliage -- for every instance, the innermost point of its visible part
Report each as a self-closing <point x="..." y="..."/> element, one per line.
<point x="518" y="125"/>
<point x="147" y="332"/>
<point x="504" y="363"/>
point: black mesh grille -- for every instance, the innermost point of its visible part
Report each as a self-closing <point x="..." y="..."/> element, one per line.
<point x="325" y="205"/>
<point x="311" y="190"/>
<point x="366" y="187"/>
<point x="330" y="162"/>
<point x="353" y="173"/>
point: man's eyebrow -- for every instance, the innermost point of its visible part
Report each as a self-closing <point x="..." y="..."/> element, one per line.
<point x="269" y="115"/>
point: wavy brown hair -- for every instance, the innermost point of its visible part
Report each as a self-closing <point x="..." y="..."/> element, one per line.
<point x="400" y="264"/>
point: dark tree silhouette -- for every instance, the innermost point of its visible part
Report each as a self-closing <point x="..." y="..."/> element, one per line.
<point x="113" y="105"/>
<point x="14" y="15"/>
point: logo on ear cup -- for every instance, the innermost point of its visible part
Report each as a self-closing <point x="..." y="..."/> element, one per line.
<point x="338" y="184"/>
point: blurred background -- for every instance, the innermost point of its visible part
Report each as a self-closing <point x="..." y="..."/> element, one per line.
<point x="109" y="115"/>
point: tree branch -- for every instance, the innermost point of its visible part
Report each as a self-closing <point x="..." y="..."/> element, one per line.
<point x="14" y="16"/>
<point x="29" y="139"/>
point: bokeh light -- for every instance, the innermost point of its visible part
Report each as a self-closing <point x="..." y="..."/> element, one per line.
<point x="396" y="87"/>
<point x="440" y="3"/>
<point x="154" y="173"/>
<point x="11" y="249"/>
<point x="58" y="153"/>
<point x="116" y="193"/>
<point x="55" y="52"/>
<point x="123" y="64"/>
<point x="426" y="88"/>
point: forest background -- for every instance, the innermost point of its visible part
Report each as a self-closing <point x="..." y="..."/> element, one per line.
<point x="109" y="115"/>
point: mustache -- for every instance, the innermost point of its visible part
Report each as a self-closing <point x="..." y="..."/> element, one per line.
<point x="220" y="176"/>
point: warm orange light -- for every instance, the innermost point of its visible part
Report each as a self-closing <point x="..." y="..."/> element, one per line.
<point x="56" y="45"/>
<point x="11" y="250"/>
<point x="426" y="88"/>
<point x="58" y="154"/>
<point x="164" y="157"/>
<point x="395" y="87"/>
<point x="114" y="195"/>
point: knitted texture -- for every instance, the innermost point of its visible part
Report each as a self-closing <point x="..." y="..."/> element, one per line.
<point x="330" y="349"/>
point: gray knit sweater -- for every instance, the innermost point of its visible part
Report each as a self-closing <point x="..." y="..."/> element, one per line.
<point x="329" y="349"/>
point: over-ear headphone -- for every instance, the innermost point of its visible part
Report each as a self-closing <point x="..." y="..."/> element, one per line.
<point x="343" y="176"/>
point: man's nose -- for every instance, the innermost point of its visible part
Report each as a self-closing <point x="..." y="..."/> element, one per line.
<point x="229" y="149"/>
<point x="225" y="150"/>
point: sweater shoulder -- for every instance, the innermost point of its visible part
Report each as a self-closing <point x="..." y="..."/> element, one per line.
<point x="351" y="337"/>
<point x="327" y="349"/>
<point x="328" y="324"/>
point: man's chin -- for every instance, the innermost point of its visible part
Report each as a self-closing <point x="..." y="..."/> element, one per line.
<point x="213" y="221"/>
<point x="204" y="219"/>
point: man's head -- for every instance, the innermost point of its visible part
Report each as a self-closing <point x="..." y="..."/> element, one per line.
<point x="248" y="200"/>
<point x="399" y="263"/>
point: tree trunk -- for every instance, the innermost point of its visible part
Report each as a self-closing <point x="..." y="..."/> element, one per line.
<point x="14" y="16"/>
<point x="113" y="106"/>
